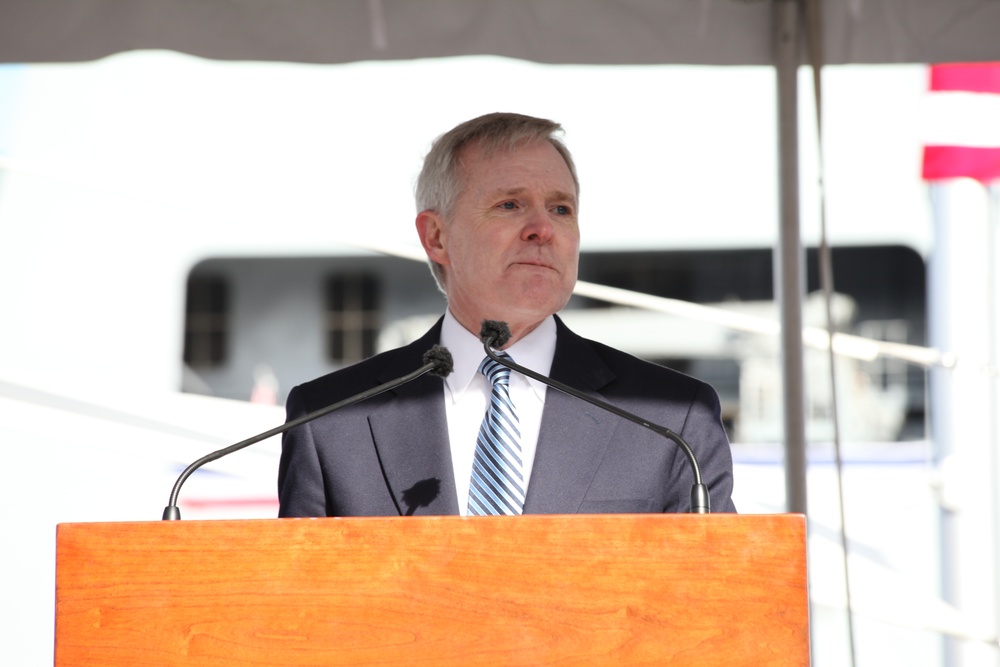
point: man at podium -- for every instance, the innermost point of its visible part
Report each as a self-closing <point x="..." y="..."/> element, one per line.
<point x="497" y="203"/>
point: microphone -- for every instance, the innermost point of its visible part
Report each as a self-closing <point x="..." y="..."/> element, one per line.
<point x="496" y="334"/>
<point x="437" y="361"/>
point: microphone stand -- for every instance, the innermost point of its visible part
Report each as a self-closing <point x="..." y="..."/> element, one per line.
<point x="437" y="360"/>
<point x="700" y="501"/>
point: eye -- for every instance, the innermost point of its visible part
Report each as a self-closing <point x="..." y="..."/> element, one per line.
<point x="562" y="210"/>
<point x="508" y="205"/>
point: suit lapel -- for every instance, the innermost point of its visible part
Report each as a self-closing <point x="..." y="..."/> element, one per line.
<point x="574" y="435"/>
<point x="411" y="437"/>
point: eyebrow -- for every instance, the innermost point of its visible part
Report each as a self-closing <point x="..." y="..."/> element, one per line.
<point x="558" y="194"/>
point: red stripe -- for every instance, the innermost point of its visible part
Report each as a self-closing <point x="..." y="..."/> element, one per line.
<point x="982" y="164"/>
<point x="967" y="77"/>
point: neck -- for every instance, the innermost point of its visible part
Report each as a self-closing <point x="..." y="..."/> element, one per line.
<point x="518" y="329"/>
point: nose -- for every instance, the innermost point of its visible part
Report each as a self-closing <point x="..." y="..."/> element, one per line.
<point x="537" y="227"/>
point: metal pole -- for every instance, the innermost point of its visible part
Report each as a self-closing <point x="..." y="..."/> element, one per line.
<point x="940" y="390"/>
<point x="789" y="256"/>
<point x="993" y="365"/>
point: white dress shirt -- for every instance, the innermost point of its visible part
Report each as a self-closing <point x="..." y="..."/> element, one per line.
<point x="467" y="395"/>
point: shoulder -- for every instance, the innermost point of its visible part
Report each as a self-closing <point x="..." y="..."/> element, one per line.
<point x="604" y="366"/>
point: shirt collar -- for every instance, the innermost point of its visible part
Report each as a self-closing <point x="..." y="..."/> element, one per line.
<point x="534" y="351"/>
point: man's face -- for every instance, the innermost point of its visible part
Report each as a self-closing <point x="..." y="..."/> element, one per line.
<point x="511" y="244"/>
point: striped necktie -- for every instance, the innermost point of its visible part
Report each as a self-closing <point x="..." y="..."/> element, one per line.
<point x="497" y="485"/>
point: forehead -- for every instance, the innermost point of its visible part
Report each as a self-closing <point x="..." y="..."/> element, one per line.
<point x="534" y="162"/>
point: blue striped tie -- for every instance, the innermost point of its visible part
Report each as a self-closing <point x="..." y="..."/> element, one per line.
<point x="497" y="485"/>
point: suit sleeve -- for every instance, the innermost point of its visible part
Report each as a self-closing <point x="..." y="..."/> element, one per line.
<point x="300" y="478"/>
<point x="705" y="434"/>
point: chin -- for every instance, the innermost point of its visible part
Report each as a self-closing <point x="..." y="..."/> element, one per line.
<point x="538" y="296"/>
<point x="537" y="309"/>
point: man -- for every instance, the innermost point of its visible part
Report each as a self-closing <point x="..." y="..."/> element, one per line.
<point x="497" y="204"/>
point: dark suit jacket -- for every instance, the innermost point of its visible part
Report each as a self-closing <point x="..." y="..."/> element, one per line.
<point x="390" y="455"/>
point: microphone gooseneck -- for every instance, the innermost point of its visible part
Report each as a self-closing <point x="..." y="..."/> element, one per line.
<point x="495" y="334"/>
<point x="437" y="361"/>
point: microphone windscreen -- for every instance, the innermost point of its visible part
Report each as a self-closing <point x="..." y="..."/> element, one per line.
<point x="441" y="358"/>
<point x="494" y="333"/>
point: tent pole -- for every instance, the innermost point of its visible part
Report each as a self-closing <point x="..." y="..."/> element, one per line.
<point x="789" y="256"/>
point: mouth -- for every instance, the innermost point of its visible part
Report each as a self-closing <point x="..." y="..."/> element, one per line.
<point x="535" y="264"/>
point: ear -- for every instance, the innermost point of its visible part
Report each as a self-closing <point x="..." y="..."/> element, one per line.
<point x="433" y="236"/>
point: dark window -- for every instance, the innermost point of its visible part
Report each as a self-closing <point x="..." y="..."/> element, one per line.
<point x="352" y="317"/>
<point x="887" y="284"/>
<point x="206" y="324"/>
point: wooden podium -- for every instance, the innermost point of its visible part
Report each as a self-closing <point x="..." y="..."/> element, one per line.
<point x="435" y="591"/>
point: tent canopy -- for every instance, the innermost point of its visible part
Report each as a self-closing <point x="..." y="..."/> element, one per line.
<point x="709" y="32"/>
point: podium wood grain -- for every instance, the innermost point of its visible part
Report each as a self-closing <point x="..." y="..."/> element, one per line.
<point x="435" y="591"/>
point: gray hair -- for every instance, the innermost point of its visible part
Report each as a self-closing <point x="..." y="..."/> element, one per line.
<point x="440" y="179"/>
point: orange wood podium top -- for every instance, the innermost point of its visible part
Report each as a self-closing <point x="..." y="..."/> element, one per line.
<point x="720" y="589"/>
